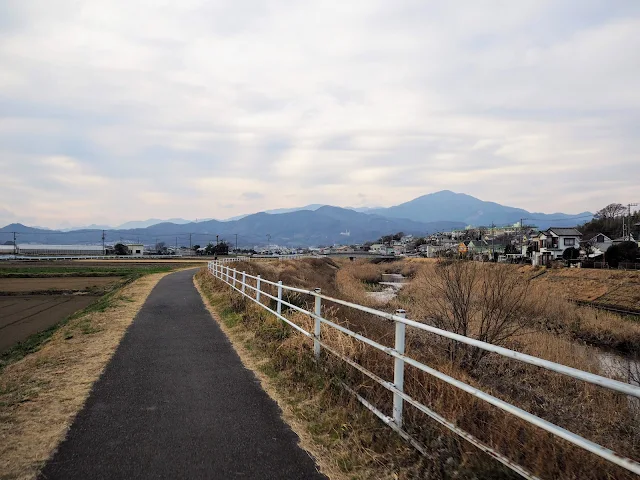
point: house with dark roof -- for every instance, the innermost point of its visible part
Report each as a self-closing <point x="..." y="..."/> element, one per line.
<point x="553" y="242"/>
<point x="600" y="243"/>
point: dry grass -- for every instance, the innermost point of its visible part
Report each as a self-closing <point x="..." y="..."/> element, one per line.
<point x="609" y="287"/>
<point x="600" y="415"/>
<point x="41" y="394"/>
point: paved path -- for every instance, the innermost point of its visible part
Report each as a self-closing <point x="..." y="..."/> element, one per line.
<point x="176" y="402"/>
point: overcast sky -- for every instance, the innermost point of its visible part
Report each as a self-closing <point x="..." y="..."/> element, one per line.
<point x="120" y="110"/>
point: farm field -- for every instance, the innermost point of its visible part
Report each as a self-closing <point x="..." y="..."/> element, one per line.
<point x="21" y="316"/>
<point x="37" y="295"/>
<point x="14" y="285"/>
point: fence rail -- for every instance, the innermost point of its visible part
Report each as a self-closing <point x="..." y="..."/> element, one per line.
<point x="252" y="287"/>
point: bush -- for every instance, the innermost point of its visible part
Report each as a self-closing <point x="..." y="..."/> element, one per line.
<point x="622" y="252"/>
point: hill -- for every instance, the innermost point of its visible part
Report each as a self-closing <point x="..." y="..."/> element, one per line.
<point x="324" y="226"/>
<point x="464" y="208"/>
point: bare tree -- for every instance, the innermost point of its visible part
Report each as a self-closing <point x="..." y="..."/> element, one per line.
<point x="611" y="211"/>
<point x="485" y="302"/>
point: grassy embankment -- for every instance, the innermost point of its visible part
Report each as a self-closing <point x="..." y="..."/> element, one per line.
<point x="600" y="415"/>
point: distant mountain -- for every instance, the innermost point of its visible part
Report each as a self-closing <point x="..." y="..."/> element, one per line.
<point x="149" y="222"/>
<point x="324" y="226"/>
<point x="93" y="226"/>
<point x="310" y="225"/>
<point x="20" y="228"/>
<point x="464" y="208"/>
<point x="277" y="211"/>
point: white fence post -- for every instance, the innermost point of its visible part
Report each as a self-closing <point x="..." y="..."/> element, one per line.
<point x="316" y="326"/>
<point x="258" y="288"/>
<point x="234" y="278"/>
<point x="279" y="307"/>
<point x="398" y="368"/>
<point x="244" y="280"/>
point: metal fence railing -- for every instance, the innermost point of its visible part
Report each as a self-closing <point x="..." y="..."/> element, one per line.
<point x="252" y="287"/>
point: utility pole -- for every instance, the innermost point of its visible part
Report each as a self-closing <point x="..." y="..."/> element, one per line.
<point x="190" y="247"/>
<point x="15" y="247"/>
<point x="236" y="242"/>
<point x="493" y="250"/>
<point x="521" y="235"/>
<point x="103" y="250"/>
<point x="176" y="246"/>
<point x="628" y="238"/>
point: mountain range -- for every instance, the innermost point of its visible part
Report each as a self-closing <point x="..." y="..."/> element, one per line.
<point x="310" y="225"/>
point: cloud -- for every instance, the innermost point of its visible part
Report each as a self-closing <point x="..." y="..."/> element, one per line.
<point x="531" y="104"/>
<point x="252" y="195"/>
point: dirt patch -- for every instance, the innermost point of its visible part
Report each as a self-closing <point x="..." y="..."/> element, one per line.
<point x="21" y="316"/>
<point x="41" y="394"/>
<point x="56" y="284"/>
<point x="607" y="287"/>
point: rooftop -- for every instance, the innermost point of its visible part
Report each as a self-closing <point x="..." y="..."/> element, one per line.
<point x="565" y="232"/>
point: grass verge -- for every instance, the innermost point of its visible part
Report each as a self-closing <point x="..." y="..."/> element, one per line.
<point x="597" y="414"/>
<point x="47" y="379"/>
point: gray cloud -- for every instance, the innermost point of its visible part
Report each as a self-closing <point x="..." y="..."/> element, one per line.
<point x="532" y="104"/>
<point x="252" y="195"/>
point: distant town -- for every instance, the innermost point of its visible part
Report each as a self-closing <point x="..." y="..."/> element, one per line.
<point x="609" y="239"/>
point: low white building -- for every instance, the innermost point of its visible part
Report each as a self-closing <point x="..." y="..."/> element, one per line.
<point x="58" y="250"/>
<point x="136" y="249"/>
<point x="378" y="248"/>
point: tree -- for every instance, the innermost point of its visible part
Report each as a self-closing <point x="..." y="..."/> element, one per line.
<point x="386" y="239"/>
<point x="570" y="253"/>
<point x="610" y="211"/>
<point x="220" y="249"/>
<point x="196" y="246"/>
<point x="622" y="252"/>
<point x="120" y="249"/>
<point x="489" y="303"/>
<point x="398" y="236"/>
<point x="161" y="247"/>
<point x="420" y="241"/>
<point x="510" y="249"/>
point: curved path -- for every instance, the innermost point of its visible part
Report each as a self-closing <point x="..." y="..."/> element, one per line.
<point x="176" y="402"/>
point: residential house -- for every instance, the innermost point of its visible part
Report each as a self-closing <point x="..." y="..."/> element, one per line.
<point x="553" y="242"/>
<point x="378" y="248"/>
<point x="399" y="248"/>
<point x="599" y="242"/>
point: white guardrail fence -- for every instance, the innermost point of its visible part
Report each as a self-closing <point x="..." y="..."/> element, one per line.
<point x="251" y="287"/>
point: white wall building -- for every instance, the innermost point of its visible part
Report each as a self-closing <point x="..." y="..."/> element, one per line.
<point x="37" y="249"/>
<point x="136" y="249"/>
<point x="553" y="242"/>
<point x="378" y="248"/>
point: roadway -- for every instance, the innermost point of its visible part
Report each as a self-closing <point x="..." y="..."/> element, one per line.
<point x="176" y="402"/>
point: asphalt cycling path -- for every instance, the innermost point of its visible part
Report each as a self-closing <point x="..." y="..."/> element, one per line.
<point x="176" y="402"/>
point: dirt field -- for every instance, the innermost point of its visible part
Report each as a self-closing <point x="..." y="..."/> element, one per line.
<point x="608" y="287"/>
<point x="21" y="316"/>
<point x="13" y="285"/>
